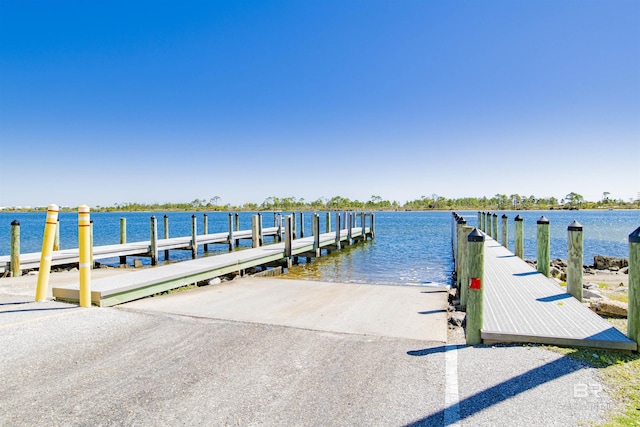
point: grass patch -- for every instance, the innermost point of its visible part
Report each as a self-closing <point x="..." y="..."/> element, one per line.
<point x="619" y="296"/>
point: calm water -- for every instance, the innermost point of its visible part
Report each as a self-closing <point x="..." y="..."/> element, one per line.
<point x="409" y="248"/>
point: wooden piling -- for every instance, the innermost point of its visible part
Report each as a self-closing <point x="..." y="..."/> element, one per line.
<point x="495" y="226"/>
<point x="544" y="247"/>
<point x="349" y="228"/>
<point x="15" y="249"/>
<point x="255" y="240"/>
<point x="574" y="260"/>
<point x="460" y="236"/>
<point x="301" y="225"/>
<point x="194" y="237"/>
<point x="294" y="234"/>
<point x="153" y="240"/>
<point x="288" y="237"/>
<point x="475" y="297"/>
<point x="230" y="238"/>
<point x="338" y="243"/>
<point x="505" y="231"/>
<point x="237" y="227"/>
<point x="279" y="227"/>
<point x="166" y="235"/>
<point x="205" y="229"/>
<point x="633" y="325"/>
<point x="363" y="222"/>
<point x="480" y="220"/>
<point x="464" y="269"/>
<point x="123" y="238"/>
<point x="260" y="240"/>
<point x="316" y="234"/>
<point x="328" y="223"/>
<point x="519" y="236"/>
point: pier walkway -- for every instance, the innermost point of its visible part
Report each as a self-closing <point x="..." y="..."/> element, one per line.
<point x="523" y="305"/>
<point x="138" y="284"/>
<point x="70" y="256"/>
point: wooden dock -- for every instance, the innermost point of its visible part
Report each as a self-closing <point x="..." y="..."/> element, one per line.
<point x="143" y="249"/>
<point x="522" y="305"/>
<point x="149" y="281"/>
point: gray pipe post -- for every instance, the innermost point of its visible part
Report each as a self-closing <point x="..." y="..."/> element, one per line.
<point x="544" y="247"/>
<point x="15" y="249"/>
<point x="475" y="296"/>
<point x="194" y="237"/>
<point x="633" y="325"/>
<point x="495" y="226"/>
<point x="205" y="231"/>
<point x="230" y="238"/>
<point x="255" y="241"/>
<point x="237" y="227"/>
<point x="464" y="268"/>
<point x="338" y="231"/>
<point x="153" y="249"/>
<point x="574" y="260"/>
<point x="519" y="236"/>
<point x="288" y="237"/>
<point x="505" y="231"/>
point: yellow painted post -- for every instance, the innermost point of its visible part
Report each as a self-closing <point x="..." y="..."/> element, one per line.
<point x="15" y="249"/>
<point x="56" y="241"/>
<point x="47" y="250"/>
<point x="84" y="250"/>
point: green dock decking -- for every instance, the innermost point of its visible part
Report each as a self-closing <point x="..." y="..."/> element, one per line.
<point x="149" y="281"/>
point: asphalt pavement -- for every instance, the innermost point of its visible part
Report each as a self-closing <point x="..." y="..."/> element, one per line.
<point x="238" y="353"/>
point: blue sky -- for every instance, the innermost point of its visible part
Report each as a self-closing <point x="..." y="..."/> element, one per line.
<point x="109" y="102"/>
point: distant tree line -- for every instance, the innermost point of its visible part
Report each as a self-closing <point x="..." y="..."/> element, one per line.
<point x="377" y="203"/>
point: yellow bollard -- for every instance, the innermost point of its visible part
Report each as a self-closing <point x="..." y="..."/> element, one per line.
<point x="47" y="250"/>
<point x="84" y="248"/>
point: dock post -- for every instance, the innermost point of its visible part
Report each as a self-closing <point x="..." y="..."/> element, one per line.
<point x="487" y="223"/>
<point x="475" y="297"/>
<point x="363" y="221"/>
<point x="495" y="227"/>
<point x="519" y="236"/>
<point x="373" y="228"/>
<point x="205" y="231"/>
<point x="194" y="237"/>
<point x="464" y="268"/>
<point x="260" y="240"/>
<point x="255" y="240"/>
<point x="316" y="234"/>
<point x="231" y="242"/>
<point x="166" y="235"/>
<point x="542" y="260"/>
<point x="633" y="326"/>
<point x="123" y="238"/>
<point x="275" y="224"/>
<point x="84" y="255"/>
<point x="288" y="237"/>
<point x="45" y="256"/>
<point x="153" y="240"/>
<point x="481" y="223"/>
<point x="479" y="220"/>
<point x="574" y="260"/>
<point x="460" y="236"/>
<point x="56" y="240"/>
<point x="237" y="226"/>
<point x="350" y="219"/>
<point x="301" y="225"/>
<point x="338" y="244"/>
<point x="293" y="225"/>
<point x="279" y="227"/>
<point x="328" y="223"/>
<point x="505" y="231"/>
<point x="15" y="249"/>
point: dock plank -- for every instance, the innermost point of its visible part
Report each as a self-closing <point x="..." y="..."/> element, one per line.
<point x="522" y="305"/>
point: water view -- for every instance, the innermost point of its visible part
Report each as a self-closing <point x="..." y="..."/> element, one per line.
<point x="409" y="248"/>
